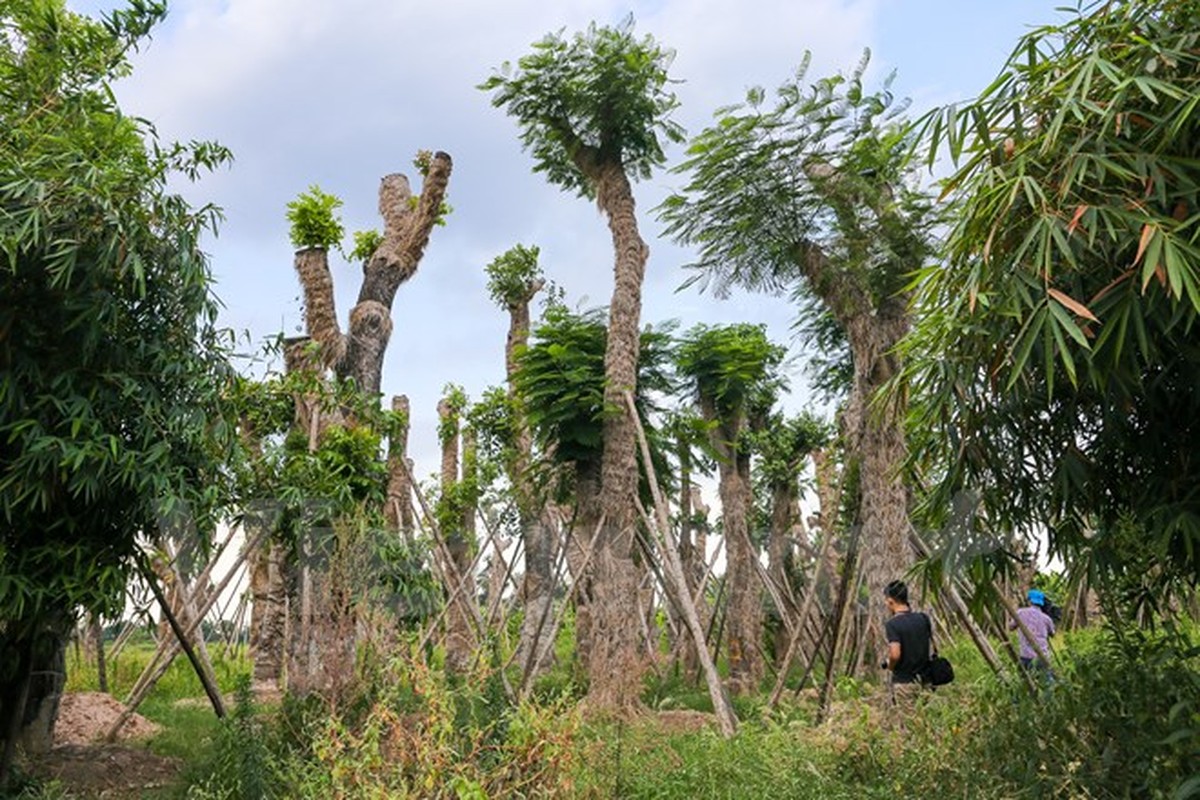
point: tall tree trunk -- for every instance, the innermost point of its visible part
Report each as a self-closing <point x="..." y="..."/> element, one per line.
<point x="583" y="528"/>
<point x="744" y="626"/>
<point x="616" y="664"/>
<point x="687" y="549"/>
<point x="876" y="433"/>
<point x="321" y="622"/>
<point x="830" y="502"/>
<point x="268" y="608"/>
<point x="399" y="508"/>
<point x="460" y="641"/>
<point x="780" y="549"/>
<point x="538" y="529"/>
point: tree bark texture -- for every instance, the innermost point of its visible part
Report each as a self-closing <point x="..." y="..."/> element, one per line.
<point x="829" y="502"/>
<point x="785" y="512"/>
<point x="399" y="507"/>
<point x="587" y="517"/>
<point x="744" y="626"/>
<point x="460" y="639"/>
<point x="874" y="432"/>
<point x="538" y="529"/>
<point x="268" y="610"/>
<point x="617" y="663"/>
<point x="358" y="354"/>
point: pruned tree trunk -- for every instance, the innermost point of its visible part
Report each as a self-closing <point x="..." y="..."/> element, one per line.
<point x="319" y="608"/>
<point x="616" y="664"/>
<point x="460" y="639"/>
<point x="399" y="507"/>
<point x="538" y="529"/>
<point x="744" y="625"/>
<point x="581" y="554"/>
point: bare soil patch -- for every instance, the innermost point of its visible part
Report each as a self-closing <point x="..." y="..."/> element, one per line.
<point x="106" y="770"/>
<point x="91" y="769"/>
<point x="85" y="716"/>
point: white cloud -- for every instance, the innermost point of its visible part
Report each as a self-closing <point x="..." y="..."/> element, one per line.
<point x="340" y="93"/>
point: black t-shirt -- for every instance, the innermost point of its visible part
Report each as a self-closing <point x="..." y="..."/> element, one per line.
<point x="913" y="631"/>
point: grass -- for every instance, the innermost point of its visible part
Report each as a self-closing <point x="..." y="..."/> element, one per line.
<point x="177" y="702"/>
<point x="417" y="734"/>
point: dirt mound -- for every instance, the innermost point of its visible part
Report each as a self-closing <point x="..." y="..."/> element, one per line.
<point x="106" y="770"/>
<point x="85" y="716"/>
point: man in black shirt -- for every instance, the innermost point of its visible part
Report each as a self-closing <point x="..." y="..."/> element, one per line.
<point x="910" y="639"/>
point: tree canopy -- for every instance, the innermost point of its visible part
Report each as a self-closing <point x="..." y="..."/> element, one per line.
<point x="601" y="96"/>
<point x="1055" y="364"/>
<point x="111" y="360"/>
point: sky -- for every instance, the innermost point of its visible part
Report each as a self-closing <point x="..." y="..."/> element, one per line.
<point x="339" y="93"/>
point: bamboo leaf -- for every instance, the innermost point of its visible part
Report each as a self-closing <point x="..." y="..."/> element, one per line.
<point x="1074" y="305"/>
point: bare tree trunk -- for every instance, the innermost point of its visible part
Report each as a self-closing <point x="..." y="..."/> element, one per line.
<point x="399" y="509"/>
<point x="616" y="664"/>
<point x="830" y="502"/>
<point x="744" y="606"/>
<point x="876" y="436"/>
<point x="538" y="529"/>
<point x="580" y="560"/>
<point x="460" y="640"/>
<point x="268" y="608"/>
<point x="780" y="550"/>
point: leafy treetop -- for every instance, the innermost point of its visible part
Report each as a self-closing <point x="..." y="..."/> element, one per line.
<point x="514" y="275"/>
<point x="600" y="97"/>
<point x="735" y="368"/>
<point x="314" y="221"/>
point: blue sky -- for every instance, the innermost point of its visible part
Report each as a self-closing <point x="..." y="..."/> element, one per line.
<point x="339" y="93"/>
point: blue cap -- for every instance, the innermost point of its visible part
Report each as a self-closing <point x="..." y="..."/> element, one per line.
<point x="1037" y="597"/>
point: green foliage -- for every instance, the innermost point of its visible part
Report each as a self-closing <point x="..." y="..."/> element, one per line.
<point x="242" y="764"/>
<point x="784" y="443"/>
<point x="1121" y="721"/>
<point x="314" y="222"/>
<point x="560" y="381"/>
<point x="1055" y="369"/>
<point x="456" y="402"/>
<point x="807" y="197"/>
<point x="365" y="245"/>
<point x="599" y="98"/>
<point x="345" y="468"/>
<point x="109" y="407"/>
<point x="494" y="420"/>
<point x="763" y="760"/>
<point x="513" y="274"/>
<point x="734" y="369"/>
<point x="424" y="736"/>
